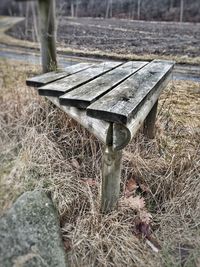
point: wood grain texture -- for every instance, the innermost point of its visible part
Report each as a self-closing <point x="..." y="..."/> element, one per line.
<point x="136" y="122"/>
<point x="86" y="94"/>
<point x="67" y="84"/>
<point x="47" y="28"/>
<point x="121" y="104"/>
<point x="111" y="174"/>
<point x="100" y="129"/>
<point x="48" y="77"/>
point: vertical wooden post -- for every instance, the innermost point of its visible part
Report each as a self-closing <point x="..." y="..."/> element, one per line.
<point x="47" y="34"/>
<point x="149" y="123"/>
<point x="111" y="173"/>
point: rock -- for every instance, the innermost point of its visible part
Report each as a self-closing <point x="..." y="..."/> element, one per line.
<point x="30" y="233"/>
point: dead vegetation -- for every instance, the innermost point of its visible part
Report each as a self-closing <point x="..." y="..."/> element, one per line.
<point x="118" y="39"/>
<point x="40" y="147"/>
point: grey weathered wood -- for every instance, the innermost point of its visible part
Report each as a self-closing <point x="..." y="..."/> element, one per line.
<point x="145" y="86"/>
<point x="47" y="26"/>
<point x="149" y="123"/>
<point x="100" y="129"/>
<point x="111" y="172"/>
<point x="121" y="136"/>
<point x="64" y="85"/>
<point x="48" y="77"/>
<point x="86" y="94"/>
<point x="121" y="104"/>
<point x="137" y="121"/>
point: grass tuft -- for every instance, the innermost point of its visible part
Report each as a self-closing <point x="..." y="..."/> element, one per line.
<point x="40" y="147"/>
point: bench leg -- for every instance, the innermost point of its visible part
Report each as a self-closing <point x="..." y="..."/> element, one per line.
<point x="149" y="123"/>
<point x="111" y="174"/>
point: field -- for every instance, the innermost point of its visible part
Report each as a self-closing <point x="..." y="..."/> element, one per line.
<point x="40" y="147"/>
<point x="123" y="37"/>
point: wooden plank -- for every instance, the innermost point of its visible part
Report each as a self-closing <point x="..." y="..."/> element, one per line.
<point x="48" y="77"/>
<point x="135" y="123"/>
<point x="67" y="84"/>
<point x="122" y="103"/>
<point x="86" y="94"/>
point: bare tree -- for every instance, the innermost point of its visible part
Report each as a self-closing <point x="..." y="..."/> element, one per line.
<point x="138" y="9"/>
<point x="72" y="8"/>
<point x="171" y="5"/>
<point x="181" y="10"/>
<point x="77" y="7"/>
<point x="35" y="22"/>
<point x="109" y="8"/>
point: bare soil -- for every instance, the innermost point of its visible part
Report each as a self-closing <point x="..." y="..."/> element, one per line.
<point x="122" y="36"/>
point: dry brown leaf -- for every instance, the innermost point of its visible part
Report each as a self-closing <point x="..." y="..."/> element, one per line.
<point x="131" y="187"/>
<point x="143" y="229"/>
<point x="136" y="203"/>
<point x="145" y="216"/>
<point x="89" y="181"/>
<point x="144" y="188"/>
<point x="67" y="244"/>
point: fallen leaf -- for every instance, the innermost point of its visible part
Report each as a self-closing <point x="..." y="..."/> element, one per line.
<point x="143" y="228"/>
<point x="131" y="187"/>
<point x="67" y="244"/>
<point x="89" y="181"/>
<point x="136" y="203"/>
<point x="144" y="188"/>
<point x="145" y="216"/>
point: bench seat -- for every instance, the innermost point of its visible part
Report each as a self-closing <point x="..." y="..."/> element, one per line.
<point x="112" y="100"/>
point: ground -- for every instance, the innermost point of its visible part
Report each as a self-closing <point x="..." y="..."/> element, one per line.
<point x="40" y="147"/>
<point x="123" y="38"/>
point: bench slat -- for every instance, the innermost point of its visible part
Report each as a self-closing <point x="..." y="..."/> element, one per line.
<point x="121" y="104"/>
<point x="86" y="94"/>
<point x="66" y="84"/>
<point x="48" y="77"/>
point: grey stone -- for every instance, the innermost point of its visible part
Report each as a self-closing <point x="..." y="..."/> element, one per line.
<point x="30" y="233"/>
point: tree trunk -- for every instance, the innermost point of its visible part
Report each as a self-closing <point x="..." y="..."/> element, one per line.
<point x="35" y="22"/>
<point x="47" y="34"/>
<point x="181" y="10"/>
<point x="171" y="5"/>
<point x="72" y="9"/>
<point x="77" y="7"/>
<point x="138" y="9"/>
<point x="107" y="9"/>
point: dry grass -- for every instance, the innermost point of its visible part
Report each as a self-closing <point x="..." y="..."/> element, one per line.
<point x="41" y="148"/>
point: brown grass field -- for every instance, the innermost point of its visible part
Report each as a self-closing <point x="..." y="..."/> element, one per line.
<point x="126" y="39"/>
<point x="40" y="147"/>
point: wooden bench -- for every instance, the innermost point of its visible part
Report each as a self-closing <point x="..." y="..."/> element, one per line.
<point x="111" y="100"/>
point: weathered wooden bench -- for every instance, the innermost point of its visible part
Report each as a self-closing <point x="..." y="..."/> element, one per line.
<point x="111" y="100"/>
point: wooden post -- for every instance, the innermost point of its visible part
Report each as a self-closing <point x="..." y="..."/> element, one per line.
<point x="111" y="174"/>
<point x="149" y="123"/>
<point x="47" y="34"/>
